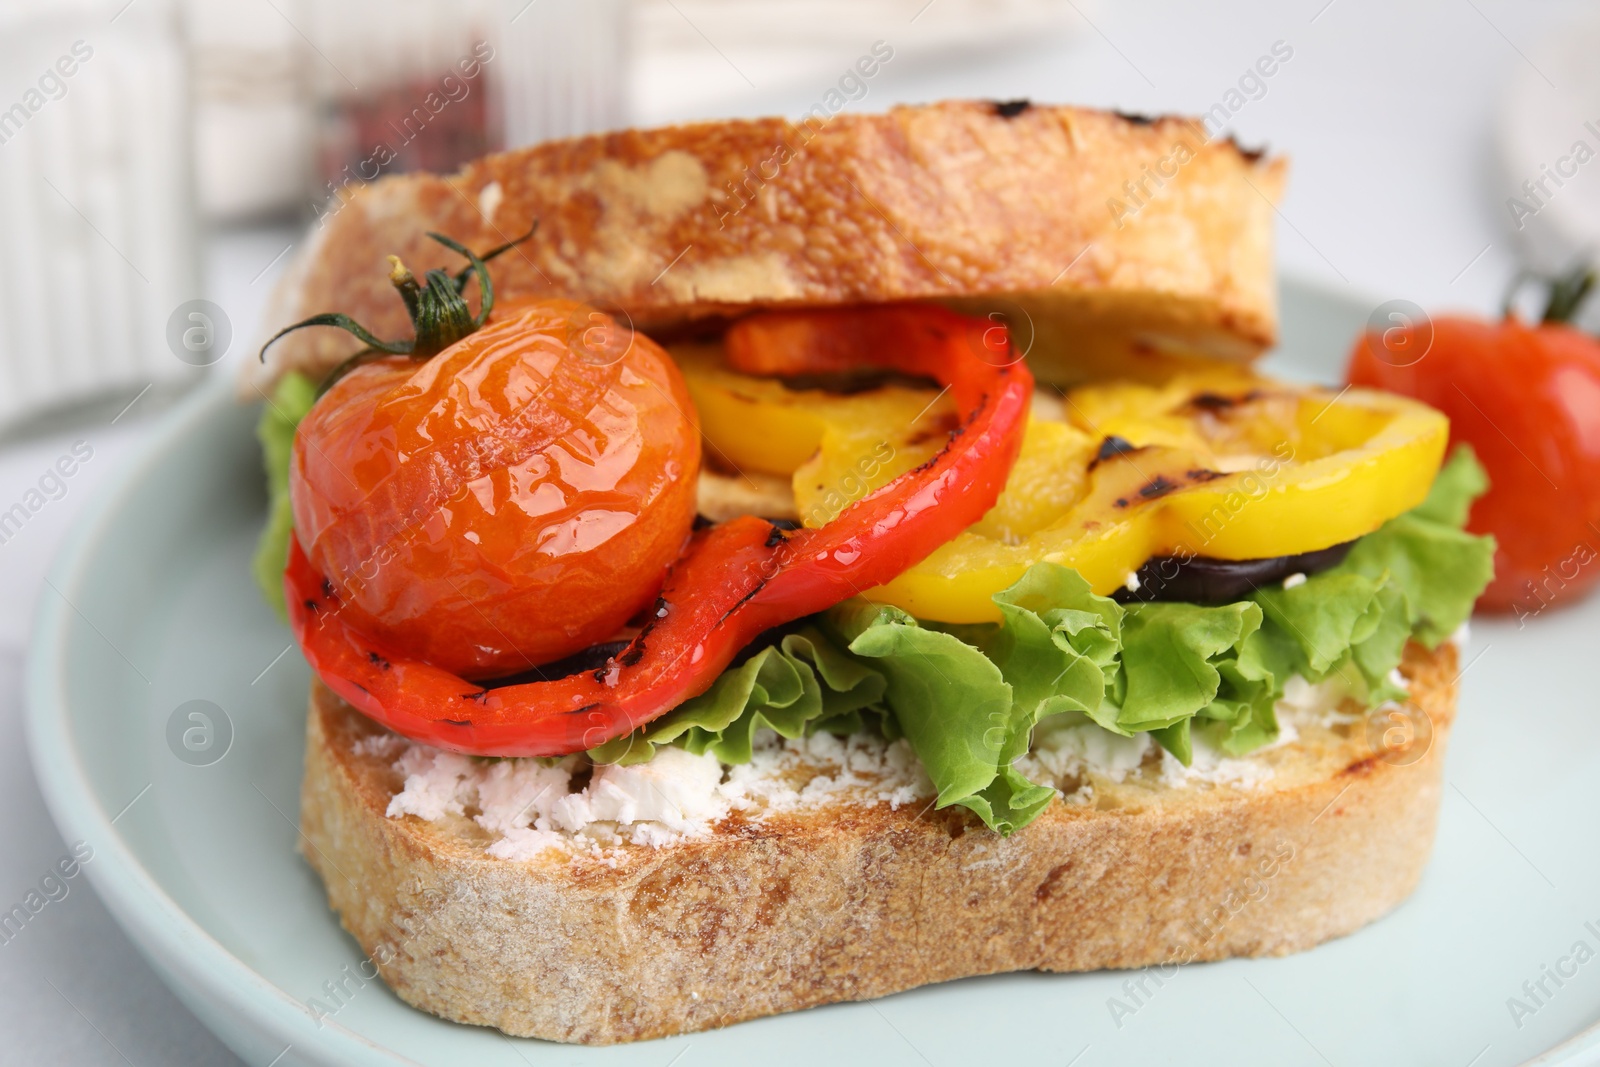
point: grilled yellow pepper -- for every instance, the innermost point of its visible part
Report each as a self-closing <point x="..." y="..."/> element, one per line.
<point x="1219" y="462"/>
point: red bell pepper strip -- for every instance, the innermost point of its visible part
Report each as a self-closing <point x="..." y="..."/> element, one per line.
<point x="734" y="580"/>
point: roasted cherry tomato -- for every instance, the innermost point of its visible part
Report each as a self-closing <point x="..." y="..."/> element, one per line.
<point x="1527" y="398"/>
<point x="513" y="499"/>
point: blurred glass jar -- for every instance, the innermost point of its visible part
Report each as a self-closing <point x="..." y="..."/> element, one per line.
<point x="97" y="229"/>
<point x="428" y="84"/>
<point x="398" y="85"/>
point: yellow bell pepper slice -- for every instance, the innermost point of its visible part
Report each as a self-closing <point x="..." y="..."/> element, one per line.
<point x="1218" y="462"/>
<point x="838" y="446"/>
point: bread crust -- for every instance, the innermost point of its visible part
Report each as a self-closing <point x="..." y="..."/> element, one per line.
<point x="853" y="902"/>
<point x="1116" y="237"/>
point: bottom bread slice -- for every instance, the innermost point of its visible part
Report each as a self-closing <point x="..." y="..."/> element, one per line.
<point x="856" y="898"/>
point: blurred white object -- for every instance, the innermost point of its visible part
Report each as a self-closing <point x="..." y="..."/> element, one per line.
<point x="1549" y="146"/>
<point x="253" y="128"/>
<point x="778" y="44"/>
<point x="562" y="68"/>
<point x="97" y="235"/>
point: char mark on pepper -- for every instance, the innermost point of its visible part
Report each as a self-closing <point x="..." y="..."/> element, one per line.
<point x="1217" y="403"/>
<point x="1154" y="489"/>
<point x="744" y="599"/>
<point x="1112" y="447"/>
<point x="955" y="434"/>
<point x="1158" y="487"/>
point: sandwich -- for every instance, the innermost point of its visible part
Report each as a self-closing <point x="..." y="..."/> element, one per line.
<point x="752" y="565"/>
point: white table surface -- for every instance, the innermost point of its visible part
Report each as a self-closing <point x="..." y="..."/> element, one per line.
<point x="1386" y="109"/>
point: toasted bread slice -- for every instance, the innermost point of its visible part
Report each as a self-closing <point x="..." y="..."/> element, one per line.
<point x="855" y="897"/>
<point x="1105" y="239"/>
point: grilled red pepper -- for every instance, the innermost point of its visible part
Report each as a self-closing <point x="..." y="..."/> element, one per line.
<point x="734" y="580"/>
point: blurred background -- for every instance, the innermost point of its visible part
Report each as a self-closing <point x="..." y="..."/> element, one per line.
<point x="161" y="162"/>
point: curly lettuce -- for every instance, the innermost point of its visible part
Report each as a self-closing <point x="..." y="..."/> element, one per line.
<point x="290" y="400"/>
<point x="800" y="684"/>
<point x="966" y="698"/>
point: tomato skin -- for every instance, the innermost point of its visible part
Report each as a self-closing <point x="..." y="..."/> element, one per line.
<point x="507" y="502"/>
<point x="1527" y="398"/>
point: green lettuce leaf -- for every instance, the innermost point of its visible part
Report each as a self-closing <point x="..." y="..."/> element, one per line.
<point x="967" y="698"/>
<point x="1438" y="566"/>
<point x="950" y="700"/>
<point x="801" y="684"/>
<point x="1415" y="576"/>
<point x="1171" y="654"/>
<point x="290" y="400"/>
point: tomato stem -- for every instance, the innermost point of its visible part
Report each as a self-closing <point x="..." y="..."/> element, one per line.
<point x="438" y="309"/>
<point x="1565" y="293"/>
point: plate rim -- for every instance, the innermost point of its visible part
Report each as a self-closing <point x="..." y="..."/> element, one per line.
<point x="230" y="997"/>
<point x="180" y="949"/>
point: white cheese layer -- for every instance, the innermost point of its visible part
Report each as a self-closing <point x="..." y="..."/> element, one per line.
<point x="529" y="806"/>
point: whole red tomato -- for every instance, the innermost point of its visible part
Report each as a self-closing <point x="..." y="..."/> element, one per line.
<point x="1527" y="398"/>
<point x="513" y="499"/>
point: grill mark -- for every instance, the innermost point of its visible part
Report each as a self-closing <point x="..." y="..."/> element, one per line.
<point x="1158" y="487"/>
<point x="954" y="434"/>
<point x="1112" y="447"/>
<point x="1217" y="402"/>
<point x="762" y="584"/>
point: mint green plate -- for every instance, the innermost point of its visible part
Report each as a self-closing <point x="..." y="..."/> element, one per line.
<point x="152" y="607"/>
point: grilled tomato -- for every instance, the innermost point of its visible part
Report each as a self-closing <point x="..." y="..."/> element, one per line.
<point x="1527" y="398"/>
<point x="515" y="498"/>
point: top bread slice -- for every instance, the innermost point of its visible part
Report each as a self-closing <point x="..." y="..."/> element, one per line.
<point x="1105" y="239"/>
